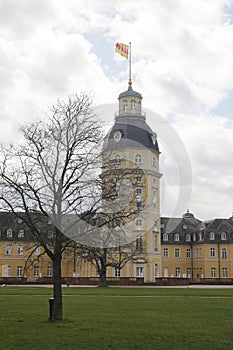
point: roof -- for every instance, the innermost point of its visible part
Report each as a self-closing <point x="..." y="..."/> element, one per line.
<point x="130" y="92"/>
<point x="133" y="136"/>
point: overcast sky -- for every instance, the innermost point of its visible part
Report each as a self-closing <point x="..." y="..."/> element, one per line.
<point x="182" y="59"/>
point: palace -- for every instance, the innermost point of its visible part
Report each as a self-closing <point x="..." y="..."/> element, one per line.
<point x="169" y="248"/>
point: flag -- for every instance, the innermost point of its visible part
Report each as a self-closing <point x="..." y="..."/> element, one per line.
<point x="122" y="49"/>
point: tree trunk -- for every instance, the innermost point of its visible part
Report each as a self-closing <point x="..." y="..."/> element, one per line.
<point x="103" y="277"/>
<point x="57" y="288"/>
<point x="103" y="269"/>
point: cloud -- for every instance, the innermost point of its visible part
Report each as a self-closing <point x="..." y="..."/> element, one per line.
<point x="181" y="62"/>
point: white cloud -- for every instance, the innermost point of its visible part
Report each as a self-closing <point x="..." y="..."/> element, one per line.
<point x="182" y="64"/>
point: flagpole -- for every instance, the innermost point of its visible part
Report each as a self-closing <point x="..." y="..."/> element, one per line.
<point x="130" y="81"/>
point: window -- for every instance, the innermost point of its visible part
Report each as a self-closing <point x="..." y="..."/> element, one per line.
<point x="117" y="159"/>
<point x="156" y="270"/>
<point x="155" y="197"/>
<point x="165" y="252"/>
<point x="37" y="251"/>
<point x="165" y="237"/>
<point x="194" y="237"/>
<point x="200" y="253"/>
<point x="133" y="105"/>
<point x="188" y="272"/>
<point x="139" y="205"/>
<point x="212" y="252"/>
<point x="224" y="253"/>
<point x="9" y="249"/>
<point x="138" y="159"/>
<point x="184" y="227"/>
<point x="188" y="237"/>
<point x="50" y="271"/>
<point x="19" y="271"/>
<point x="200" y="236"/>
<point x="177" y="272"/>
<point x="224" y="272"/>
<point x="36" y="271"/>
<point x="176" y="237"/>
<point x="155" y="225"/>
<point x="8" y="271"/>
<point x="117" y="272"/>
<point x="138" y="192"/>
<point x="139" y="271"/>
<point x="212" y="236"/>
<point x="20" y="249"/>
<point x="139" y="243"/>
<point x="138" y="179"/>
<point x="50" y="234"/>
<point x="21" y="234"/>
<point x="155" y="243"/>
<point x="177" y="252"/>
<point x="223" y="236"/>
<point x="188" y="253"/>
<point x="125" y="106"/>
<point x="213" y="272"/>
<point x="154" y="162"/>
<point x="139" y="106"/>
<point x="139" y="224"/>
<point x="9" y="233"/>
<point x="165" y="272"/>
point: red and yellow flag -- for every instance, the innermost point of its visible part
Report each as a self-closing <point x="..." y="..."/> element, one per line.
<point x="122" y="49"/>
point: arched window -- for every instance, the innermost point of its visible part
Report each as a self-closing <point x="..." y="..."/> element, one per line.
<point x="117" y="158"/>
<point x="223" y="236"/>
<point x="9" y="233"/>
<point x="133" y="105"/>
<point x="212" y="236"/>
<point x="139" y="106"/>
<point x="138" y="159"/>
<point x="139" y="243"/>
<point x="188" y="237"/>
<point x="125" y="106"/>
<point x="176" y="237"/>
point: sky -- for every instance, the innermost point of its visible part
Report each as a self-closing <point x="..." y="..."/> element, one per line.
<point x="182" y="57"/>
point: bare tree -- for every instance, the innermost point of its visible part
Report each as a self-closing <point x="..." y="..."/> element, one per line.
<point x="51" y="175"/>
<point x="54" y="175"/>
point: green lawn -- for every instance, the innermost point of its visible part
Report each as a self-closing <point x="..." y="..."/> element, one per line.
<point x="118" y="318"/>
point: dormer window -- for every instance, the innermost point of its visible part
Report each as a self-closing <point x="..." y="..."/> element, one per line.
<point x="212" y="236"/>
<point x="21" y="234"/>
<point x="176" y="237"/>
<point x="223" y="236"/>
<point x="188" y="237"/>
<point x="9" y="233"/>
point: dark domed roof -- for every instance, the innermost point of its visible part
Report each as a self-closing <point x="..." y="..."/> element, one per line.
<point x="188" y="215"/>
<point x="132" y="135"/>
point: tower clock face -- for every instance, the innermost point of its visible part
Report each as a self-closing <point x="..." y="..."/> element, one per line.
<point x="117" y="135"/>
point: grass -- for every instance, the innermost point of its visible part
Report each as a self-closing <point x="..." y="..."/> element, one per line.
<point x="118" y="318"/>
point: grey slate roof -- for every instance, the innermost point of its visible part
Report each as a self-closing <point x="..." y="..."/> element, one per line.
<point x="137" y="135"/>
